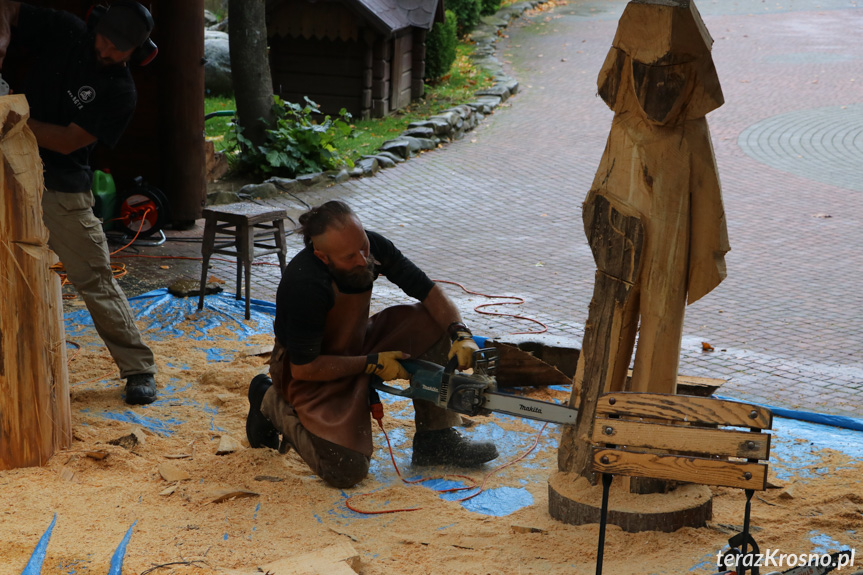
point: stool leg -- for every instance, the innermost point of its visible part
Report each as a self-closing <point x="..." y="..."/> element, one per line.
<point x="281" y="243"/>
<point x="245" y="254"/>
<point x="206" y="252"/>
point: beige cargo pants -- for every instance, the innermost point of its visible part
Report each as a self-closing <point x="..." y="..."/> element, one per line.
<point x="77" y="238"/>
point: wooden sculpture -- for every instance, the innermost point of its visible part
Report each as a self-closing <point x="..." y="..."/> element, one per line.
<point x="654" y="216"/>
<point x="34" y="393"/>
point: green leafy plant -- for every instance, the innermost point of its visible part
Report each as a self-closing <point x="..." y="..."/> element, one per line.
<point x="489" y="7"/>
<point x="441" y="45"/>
<point x="467" y="14"/>
<point x="296" y="143"/>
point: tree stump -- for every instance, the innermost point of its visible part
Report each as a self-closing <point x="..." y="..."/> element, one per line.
<point x="35" y="417"/>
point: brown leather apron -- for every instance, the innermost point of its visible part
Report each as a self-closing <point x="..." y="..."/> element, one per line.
<point x="338" y="410"/>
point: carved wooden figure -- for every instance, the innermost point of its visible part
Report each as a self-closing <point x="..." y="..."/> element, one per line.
<point x="654" y="215"/>
<point x="35" y="417"/>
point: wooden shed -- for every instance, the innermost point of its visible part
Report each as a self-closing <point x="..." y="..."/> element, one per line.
<point x="165" y="141"/>
<point x="367" y="56"/>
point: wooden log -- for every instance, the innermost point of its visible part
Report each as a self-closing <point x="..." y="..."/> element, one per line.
<point x="616" y="239"/>
<point x="574" y="501"/>
<point x="35" y="415"/>
<point x="181" y="108"/>
<point x="517" y="368"/>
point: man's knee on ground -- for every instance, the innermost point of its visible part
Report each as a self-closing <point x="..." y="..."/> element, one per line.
<point x="345" y="470"/>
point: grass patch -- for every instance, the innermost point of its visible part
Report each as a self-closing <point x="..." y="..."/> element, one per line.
<point x="455" y="88"/>
<point x="216" y="128"/>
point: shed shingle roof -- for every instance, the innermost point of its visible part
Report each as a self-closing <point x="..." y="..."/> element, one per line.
<point x="390" y="16"/>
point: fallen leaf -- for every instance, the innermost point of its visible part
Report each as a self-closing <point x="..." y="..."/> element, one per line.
<point x="706" y="346"/>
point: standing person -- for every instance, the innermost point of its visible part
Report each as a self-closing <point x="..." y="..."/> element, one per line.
<point x="81" y="92"/>
<point x="327" y="347"/>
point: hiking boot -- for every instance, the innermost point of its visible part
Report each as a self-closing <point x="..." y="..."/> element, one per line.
<point x="449" y="447"/>
<point x="259" y="431"/>
<point x="140" y="389"/>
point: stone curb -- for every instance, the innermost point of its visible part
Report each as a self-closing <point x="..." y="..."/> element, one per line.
<point x="423" y="135"/>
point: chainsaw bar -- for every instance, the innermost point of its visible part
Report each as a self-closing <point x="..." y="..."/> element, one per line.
<point x="529" y="408"/>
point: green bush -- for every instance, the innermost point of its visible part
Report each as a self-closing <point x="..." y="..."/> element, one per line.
<point x="489" y="7"/>
<point x="440" y="47"/>
<point x="467" y="14"/>
<point x="296" y="144"/>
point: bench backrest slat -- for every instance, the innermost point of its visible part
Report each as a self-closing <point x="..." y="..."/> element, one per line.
<point x="681" y="468"/>
<point x="685" y="408"/>
<point x="712" y="442"/>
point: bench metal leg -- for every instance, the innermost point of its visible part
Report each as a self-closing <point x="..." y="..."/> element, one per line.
<point x="603" y="517"/>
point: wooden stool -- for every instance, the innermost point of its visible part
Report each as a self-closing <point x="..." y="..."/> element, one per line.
<point x="245" y="231"/>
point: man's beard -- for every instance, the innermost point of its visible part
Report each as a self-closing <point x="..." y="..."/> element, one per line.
<point x="357" y="279"/>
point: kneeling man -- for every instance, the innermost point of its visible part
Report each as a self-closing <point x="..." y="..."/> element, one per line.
<point x="327" y="348"/>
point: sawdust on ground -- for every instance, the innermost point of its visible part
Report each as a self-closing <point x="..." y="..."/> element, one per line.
<point x="278" y="508"/>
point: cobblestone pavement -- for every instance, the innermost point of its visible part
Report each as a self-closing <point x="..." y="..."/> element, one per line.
<point x="500" y="211"/>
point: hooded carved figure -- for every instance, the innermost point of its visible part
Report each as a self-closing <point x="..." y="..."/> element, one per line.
<point x="658" y="165"/>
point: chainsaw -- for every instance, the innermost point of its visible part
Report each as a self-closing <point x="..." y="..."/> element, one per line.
<point x="472" y="393"/>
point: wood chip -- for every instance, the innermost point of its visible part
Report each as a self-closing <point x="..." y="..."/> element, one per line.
<point x="100" y="455"/>
<point x="225" y="397"/>
<point x="171" y="472"/>
<point x="178" y="456"/>
<point x="255" y="350"/>
<point x="270" y="478"/>
<point x="338" y="559"/>
<point x="231" y="494"/>
<point x="228" y="444"/>
<point x="526" y="529"/>
<point x="135" y="438"/>
<point x="126" y="442"/>
<point x="169" y="490"/>
<point x="67" y="474"/>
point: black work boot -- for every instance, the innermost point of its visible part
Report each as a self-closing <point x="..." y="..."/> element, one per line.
<point x="449" y="447"/>
<point x="259" y="431"/>
<point x="140" y="389"/>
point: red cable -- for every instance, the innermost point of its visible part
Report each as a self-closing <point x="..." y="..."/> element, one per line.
<point x="505" y="465"/>
<point x="516" y="301"/>
<point x="379" y="419"/>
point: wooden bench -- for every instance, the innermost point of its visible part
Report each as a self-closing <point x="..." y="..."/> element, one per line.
<point x="684" y="439"/>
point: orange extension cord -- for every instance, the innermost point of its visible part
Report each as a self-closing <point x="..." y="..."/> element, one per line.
<point x="516" y="300"/>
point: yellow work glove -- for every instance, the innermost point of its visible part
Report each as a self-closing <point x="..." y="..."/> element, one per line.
<point x="463" y="345"/>
<point x="385" y="365"/>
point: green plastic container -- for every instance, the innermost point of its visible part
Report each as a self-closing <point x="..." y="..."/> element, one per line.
<point x="105" y="193"/>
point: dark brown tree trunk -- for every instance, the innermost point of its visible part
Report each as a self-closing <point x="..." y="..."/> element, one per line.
<point x="250" y="67"/>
